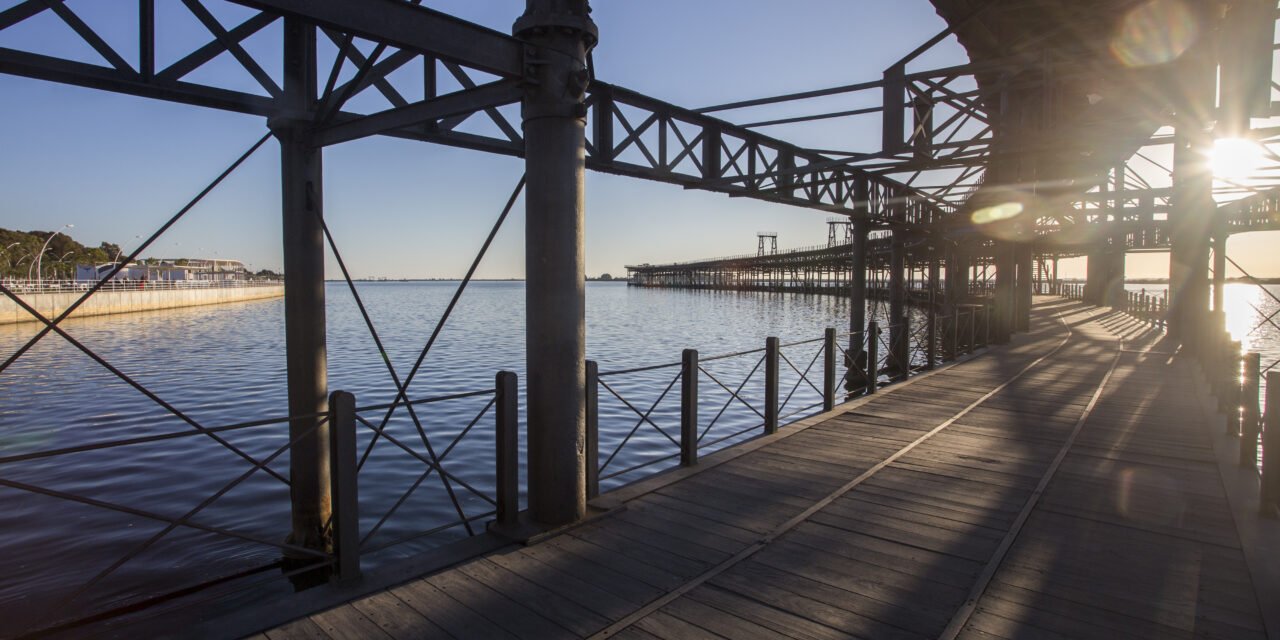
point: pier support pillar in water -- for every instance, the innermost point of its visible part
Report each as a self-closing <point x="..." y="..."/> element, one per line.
<point x="304" y="304"/>
<point x="899" y="331"/>
<point x="559" y="33"/>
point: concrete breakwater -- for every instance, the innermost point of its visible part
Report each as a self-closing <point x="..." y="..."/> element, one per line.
<point x="128" y="301"/>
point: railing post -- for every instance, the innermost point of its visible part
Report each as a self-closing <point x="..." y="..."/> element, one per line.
<point x="771" y="385"/>
<point x="593" y="428"/>
<point x="829" y="369"/>
<point x="1269" y="494"/>
<point x="689" y="407"/>
<point x="1233" y="389"/>
<point x="343" y="486"/>
<point x="1249" y="417"/>
<point x="507" y="428"/>
<point x="873" y="356"/>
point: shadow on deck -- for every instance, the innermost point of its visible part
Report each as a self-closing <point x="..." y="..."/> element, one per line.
<point x="1063" y="486"/>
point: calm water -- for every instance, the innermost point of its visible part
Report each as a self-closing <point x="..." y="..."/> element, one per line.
<point x="1248" y="307"/>
<point x="225" y="364"/>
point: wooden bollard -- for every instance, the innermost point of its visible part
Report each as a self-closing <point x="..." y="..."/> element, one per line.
<point x="771" y="385"/>
<point x="507" y="430"/>
<point x="343" y="486"/>
<point x="1249" y="418"/>
<point x="593" y="428"/>
<point x="829" y="369"/>
<point x="689" y="407"/>
<point x="1232" y="373"/>
<point x="1269" y="494"/>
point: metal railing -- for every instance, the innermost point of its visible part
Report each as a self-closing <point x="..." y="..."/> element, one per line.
<point x="476" y="494"/>
<point x="685" y="405"/>
<point x="472" y="493"/>
<point x="1235" y="378"/>
<point x="117" y="284"/>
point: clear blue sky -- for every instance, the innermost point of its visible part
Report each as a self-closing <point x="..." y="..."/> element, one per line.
<point x="117" y="166"/>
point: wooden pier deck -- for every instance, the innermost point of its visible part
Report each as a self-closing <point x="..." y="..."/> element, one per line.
<point x="1063" y="486"/>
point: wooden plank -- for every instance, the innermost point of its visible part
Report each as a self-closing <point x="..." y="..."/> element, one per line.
<point x="640" y="551"/>
<point x="787" y="624"/>
<point x="669" y="627"/>
<point x="851" y="507"/>
<point x="300" y="629"/>
<point x="996" y="507"/>
<point x="743" y="521"/>
<point x="598" y="600"/>
<point x="534" y="597"/>
<point x="648" y="573"/>
<point x="653" y="511"/>
<point x="396" y="618"/>
<point x="951" y="570"/>
<point x="632" y="633"/>
<point x="346" y="623"/>
<point x="452" y="616"/>
<point x="719" y="622"/>
<point x="837" y="616"/>
<point x="916" y="536"/>
<point x="693" y="545"/>
<point x="874" y="581"/>
<point x="906" y="502"/>
<point x="495" y="607"/>
<point x="627" y="587"/>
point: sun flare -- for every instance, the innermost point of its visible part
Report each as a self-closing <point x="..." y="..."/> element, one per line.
<point x="1235" y="158"/>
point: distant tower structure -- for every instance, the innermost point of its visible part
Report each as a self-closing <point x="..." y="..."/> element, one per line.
<point x="833" y="235"/>
<point x="772" y="237"/>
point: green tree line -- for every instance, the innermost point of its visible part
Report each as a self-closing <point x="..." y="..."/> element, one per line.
<point x="19" y="250"/>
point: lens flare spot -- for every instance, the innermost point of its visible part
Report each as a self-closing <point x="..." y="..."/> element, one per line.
<point x="1235" y="158"/>
<point x="996" y="213"/>
<point x="1155" y="32"/>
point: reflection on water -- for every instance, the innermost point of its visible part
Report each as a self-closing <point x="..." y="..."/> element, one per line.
<point x="225" y="364"/>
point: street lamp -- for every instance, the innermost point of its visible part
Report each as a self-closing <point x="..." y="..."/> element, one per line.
<point x="59" y="261"/>
<point x="119" y="249"/>
<point x="6" y="249"/>
<point x="40" y="256"/>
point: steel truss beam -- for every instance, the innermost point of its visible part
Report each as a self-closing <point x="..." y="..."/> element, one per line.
<point x="632" y="134"/>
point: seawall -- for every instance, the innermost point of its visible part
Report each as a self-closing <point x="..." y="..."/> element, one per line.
<point x="113" y="302"/>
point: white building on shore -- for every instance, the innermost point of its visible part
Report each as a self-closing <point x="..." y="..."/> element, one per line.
<point x="175" y="269"/>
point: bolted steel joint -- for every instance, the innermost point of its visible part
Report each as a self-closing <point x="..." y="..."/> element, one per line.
<point x="544" y="18"/>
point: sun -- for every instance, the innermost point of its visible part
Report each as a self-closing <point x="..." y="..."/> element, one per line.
<point x="1235" y="158"/>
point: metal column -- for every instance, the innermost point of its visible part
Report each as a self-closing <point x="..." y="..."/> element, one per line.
<point x="898" y="331"/>
<point x="559" y="33"/>
<point x="1189" y="251"/>
<point x="1006" y="267"/>
<point x="1024" y="287"/>
<point x="1219" y="269"/>
<point x="858" y="290"/>
<point x="304" y="306"/>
